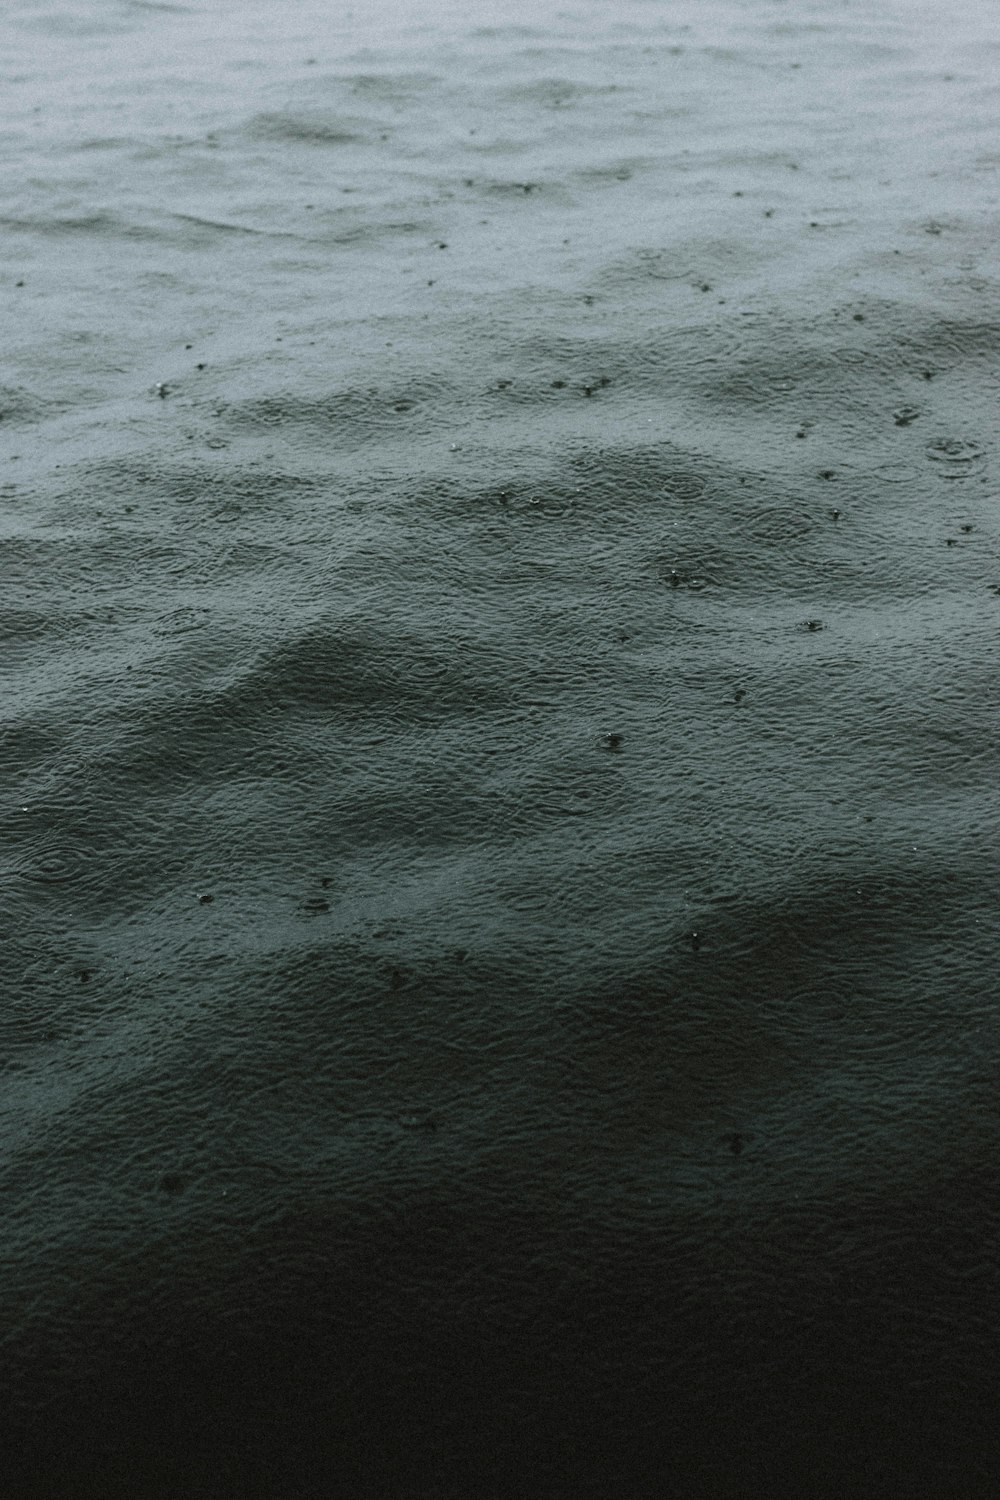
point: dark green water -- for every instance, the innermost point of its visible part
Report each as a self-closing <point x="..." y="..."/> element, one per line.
<point x="499" y="592"/>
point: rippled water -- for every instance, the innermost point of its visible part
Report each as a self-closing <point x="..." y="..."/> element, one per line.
<point x="499" y="591"/>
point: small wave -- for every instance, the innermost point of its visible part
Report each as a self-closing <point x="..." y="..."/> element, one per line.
<point x="316" y="128"/>
<point x="229" y="228"/>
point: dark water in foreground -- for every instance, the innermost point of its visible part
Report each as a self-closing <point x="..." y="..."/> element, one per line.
<point x="499" y="591"/>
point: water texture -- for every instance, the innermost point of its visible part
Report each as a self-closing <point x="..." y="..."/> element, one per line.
<point x="499" y="592"/>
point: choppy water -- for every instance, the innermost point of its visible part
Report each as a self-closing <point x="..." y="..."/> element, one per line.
<point x="499" y="591"/>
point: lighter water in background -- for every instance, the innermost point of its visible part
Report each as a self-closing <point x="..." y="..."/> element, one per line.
<point x="499" y="591"/>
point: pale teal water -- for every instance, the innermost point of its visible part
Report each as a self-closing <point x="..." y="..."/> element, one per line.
<point x="499" y="591"/>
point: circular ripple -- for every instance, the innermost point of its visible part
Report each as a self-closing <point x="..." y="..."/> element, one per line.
<point x="180" y="621"/>
<point x="852" y="356"/>
<point x="58" y="864"/>
<point x="739" y="387"/>
<point x="779" y="525"/>
<point x="684" y="486"/>
<point x="957" y="456"/>
<point x="29" y="624"/>
<point x="895" y="473"/>
<point x="663" y="266"/>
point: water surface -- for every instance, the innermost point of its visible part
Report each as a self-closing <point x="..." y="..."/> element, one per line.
<point x="499" y="590"/>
